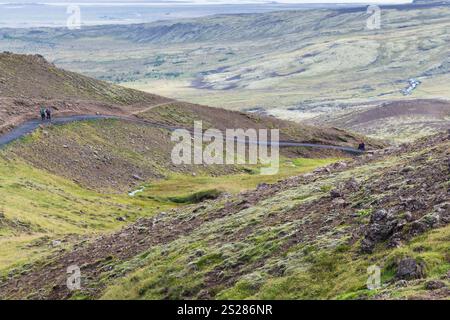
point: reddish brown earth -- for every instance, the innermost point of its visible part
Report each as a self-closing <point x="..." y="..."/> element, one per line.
<point x="422" y="107"/>
<point x="29" y="82"/>
<point x="392" y="119"/>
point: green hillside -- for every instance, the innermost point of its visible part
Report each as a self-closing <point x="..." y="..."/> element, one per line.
<point x="311" y="236"/>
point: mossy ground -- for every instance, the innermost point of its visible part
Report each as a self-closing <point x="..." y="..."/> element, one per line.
<point x="249" y="253"/>
<point x="289" y="240"/>
<point x="39" y="207"/>
<point x="184" y="184"/>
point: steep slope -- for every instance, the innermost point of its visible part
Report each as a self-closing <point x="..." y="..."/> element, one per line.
<point x="64" y="184"/>
<point x="28" y="82"/>
<point x="312" y="236"/>
<point x="117" y="155"/>
<point x="31" y="76"/>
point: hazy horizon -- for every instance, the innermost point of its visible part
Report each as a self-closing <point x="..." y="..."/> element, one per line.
<point x="53" y="13"/>
<point x="204" y="2"/>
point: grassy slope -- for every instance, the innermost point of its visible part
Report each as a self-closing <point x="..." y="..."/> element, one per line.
<point x="49" y="178"/>
<point x="184" y="185"/>
<point x="267" y="251"/>
<point x="184" y="114"/>
<point x="39" y="207"/>
<point x="290" y="240"/>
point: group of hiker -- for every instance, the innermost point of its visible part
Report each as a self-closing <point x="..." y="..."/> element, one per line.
<point x="46" y="114"/>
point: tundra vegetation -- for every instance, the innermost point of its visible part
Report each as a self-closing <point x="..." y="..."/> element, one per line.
<point x="104" y="195"/>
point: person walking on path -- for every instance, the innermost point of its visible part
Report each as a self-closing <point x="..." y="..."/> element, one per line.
<point x="362" y="146"/>
<point x="42" y="113"/>
<point x="48" y="112"/>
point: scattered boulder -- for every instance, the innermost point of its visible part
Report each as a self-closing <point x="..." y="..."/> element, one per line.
<point x="336" y="194"/>
<point x="413" y="204"/>
<point x="409" y="268"/>
<point x="417" y="227"/>
<point x="262" y="186"/>
<point x="352" y="185"/>
<point x="434" y="285"/>
<point x="395" y="241"/>
<point x="381" y="227"/>
<point x="378" y="216"/>
<point x="408" y="216"/>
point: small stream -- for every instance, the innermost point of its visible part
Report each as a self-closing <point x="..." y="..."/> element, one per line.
<point x="133" y="193"/>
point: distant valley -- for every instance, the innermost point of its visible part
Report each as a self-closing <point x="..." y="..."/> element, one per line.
<point x="294" y="65"/>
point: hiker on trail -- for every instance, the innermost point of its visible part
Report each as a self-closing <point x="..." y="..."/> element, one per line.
<point x="42" y="113"/>
<point x="362" y="146"/>
<point x="48" y="112"/>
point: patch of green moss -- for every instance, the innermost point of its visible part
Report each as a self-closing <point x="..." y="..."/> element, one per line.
<point x="196" y="197"/>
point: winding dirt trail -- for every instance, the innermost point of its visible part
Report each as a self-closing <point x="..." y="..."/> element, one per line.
<point x="31" y="125"/>
<point x="152" y="107"/>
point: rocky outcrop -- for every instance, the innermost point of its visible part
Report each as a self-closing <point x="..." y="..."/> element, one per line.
<point x="409" y="268"/>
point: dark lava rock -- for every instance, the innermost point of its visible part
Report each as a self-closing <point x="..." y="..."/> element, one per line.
<point x="263" y="186"/>
<point x="335" y="194"/>
<point x="417" y="227"/>
<point x="352" y="184"/>
<point x="434" y="285"/>
<point x="382" y="226"/>
<point x="378" y="215"/>
<point x="413" y="204"/>
<point x="408" y="216"/>
<point x="409" y="268"/>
